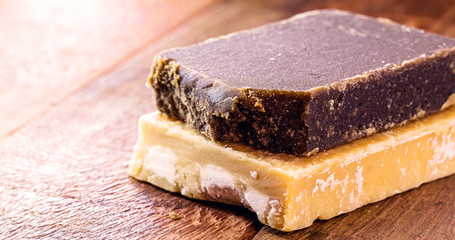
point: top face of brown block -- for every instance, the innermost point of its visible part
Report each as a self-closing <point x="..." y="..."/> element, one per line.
<point x="309" y="50"/>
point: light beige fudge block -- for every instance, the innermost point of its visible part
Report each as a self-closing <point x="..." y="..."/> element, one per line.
<point x="289" y="192"/>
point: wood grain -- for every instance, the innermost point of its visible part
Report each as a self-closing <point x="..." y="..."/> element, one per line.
<point x="64" y="172"/>
<point x="53" y="48"/>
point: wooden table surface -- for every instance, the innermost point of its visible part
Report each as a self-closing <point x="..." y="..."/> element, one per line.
<point x="72" y="77"/>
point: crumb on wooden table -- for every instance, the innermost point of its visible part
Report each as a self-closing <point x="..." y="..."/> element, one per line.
<point x="174" y="216"/>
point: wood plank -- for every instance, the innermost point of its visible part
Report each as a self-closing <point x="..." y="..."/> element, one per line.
<point x="53" y="48"/>
<point x="64" y="173"/>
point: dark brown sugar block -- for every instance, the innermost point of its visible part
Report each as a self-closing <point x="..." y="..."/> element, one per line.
<point x="308" y="83"/>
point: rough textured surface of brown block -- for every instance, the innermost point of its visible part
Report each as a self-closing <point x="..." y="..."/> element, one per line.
<point x="306" y="84"/>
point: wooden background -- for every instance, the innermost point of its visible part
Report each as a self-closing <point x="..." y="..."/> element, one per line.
<point x="72" y="77"/>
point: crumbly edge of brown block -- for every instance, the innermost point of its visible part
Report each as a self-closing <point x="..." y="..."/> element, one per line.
<point x="224" y="114"/>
